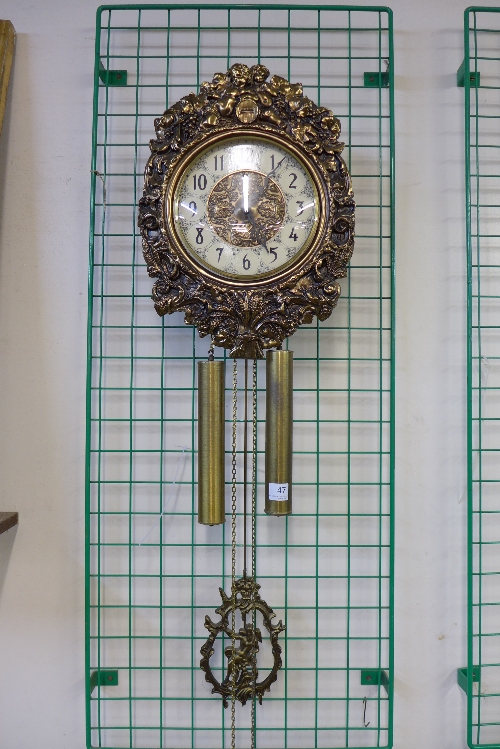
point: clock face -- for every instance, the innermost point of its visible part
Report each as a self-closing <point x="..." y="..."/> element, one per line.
<point x="245" y="207"/>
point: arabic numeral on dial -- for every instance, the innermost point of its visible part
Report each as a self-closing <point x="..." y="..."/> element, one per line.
<point x="293" y="235"/>
<point x="219" y="160"/>
<point x="274" y="253"/>
<point x="200" y="181"/>
<point x="199" y="235"/>
<point x="220" y="250"/>
<point x="272" y="161"/>
<point x="246" y="263"/>
<point x="292" y="185"/>
<point x="300" y="210"/>
<point x="193" y="207"/>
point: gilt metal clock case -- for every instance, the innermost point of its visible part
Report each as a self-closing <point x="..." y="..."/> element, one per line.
<point x="243" y="310"/>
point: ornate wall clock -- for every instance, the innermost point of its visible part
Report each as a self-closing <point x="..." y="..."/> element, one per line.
<point x="247" y="221"/>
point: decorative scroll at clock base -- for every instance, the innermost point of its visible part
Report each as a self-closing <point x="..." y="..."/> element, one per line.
<point x="242" y="672"/>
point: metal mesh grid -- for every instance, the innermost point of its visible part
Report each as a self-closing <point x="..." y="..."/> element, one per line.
<point x="152" y="571"/>
<point x="482" y="110"/>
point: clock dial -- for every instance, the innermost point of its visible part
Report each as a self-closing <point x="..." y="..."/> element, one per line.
<point x="246" y="207"/>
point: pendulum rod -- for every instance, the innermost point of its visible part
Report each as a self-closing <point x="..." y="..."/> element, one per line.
<point x="233" y="552"/>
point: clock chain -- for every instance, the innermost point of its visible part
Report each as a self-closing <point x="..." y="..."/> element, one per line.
<point x="233" y="551"/>
<point x="254" y="466"/>
<point x="254" y="535"/>
<point x="253" y="527"/>
<point x="245" y="471"/>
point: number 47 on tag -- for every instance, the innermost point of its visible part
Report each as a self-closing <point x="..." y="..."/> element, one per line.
<point x="278" y="492"/>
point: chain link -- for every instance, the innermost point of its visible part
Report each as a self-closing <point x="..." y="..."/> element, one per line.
<point x="254" y="536"/>
<point x="254" y="466"/>
<point x="233" y="551"/>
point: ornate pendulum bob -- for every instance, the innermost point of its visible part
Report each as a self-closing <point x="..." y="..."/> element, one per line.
<point x="242" y="660"/>
<point x="247" y="220"/>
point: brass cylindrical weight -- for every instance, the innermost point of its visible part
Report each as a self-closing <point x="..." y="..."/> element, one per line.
<point x="211" y="443"/>
<point x="279" y="426"/>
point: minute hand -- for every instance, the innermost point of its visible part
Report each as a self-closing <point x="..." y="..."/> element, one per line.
<point x="268" y="175"/>
<point x="259" y="233"/>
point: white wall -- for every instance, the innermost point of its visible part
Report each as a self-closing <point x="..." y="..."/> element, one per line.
<point x="45" y="161"/>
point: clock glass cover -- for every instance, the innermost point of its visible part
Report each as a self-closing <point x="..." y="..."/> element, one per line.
<point x="245" y="207"/>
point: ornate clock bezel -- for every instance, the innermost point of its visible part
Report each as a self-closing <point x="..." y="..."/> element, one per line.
<point x="248" y="315"/>
<point x="183" y="162"/>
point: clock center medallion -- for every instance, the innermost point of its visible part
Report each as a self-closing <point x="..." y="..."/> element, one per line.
<point x="246" y="208"/>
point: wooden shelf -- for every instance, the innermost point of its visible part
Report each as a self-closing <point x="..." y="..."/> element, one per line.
<point x="7" y="42"/>
<point x="8" y="520"/>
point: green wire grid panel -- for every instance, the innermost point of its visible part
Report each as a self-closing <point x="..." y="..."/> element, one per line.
<point x="480" y="75"/>
<point x="153" y="573"/>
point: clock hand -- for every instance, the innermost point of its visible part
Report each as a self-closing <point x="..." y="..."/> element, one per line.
<point x="276" y="167"/>
<point x="264" y="187"/>
<point x="256" y="230"/>
<point x="268" y="176"/>
<point x="245" y="179"/>
<point x="259" y="233"/>
<point x="248" y="212"/>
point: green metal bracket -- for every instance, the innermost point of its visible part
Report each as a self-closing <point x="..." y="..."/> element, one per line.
<point x="475" y="77"/>
<point x="112" y="77"/>
<point x="375" y="676"/>
<point x="376" y="80"/>
<point x="103" y="679"/>
<point x="462" y="677"/>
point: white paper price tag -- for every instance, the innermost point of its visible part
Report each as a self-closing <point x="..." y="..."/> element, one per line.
<point x="278" y="492"/>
